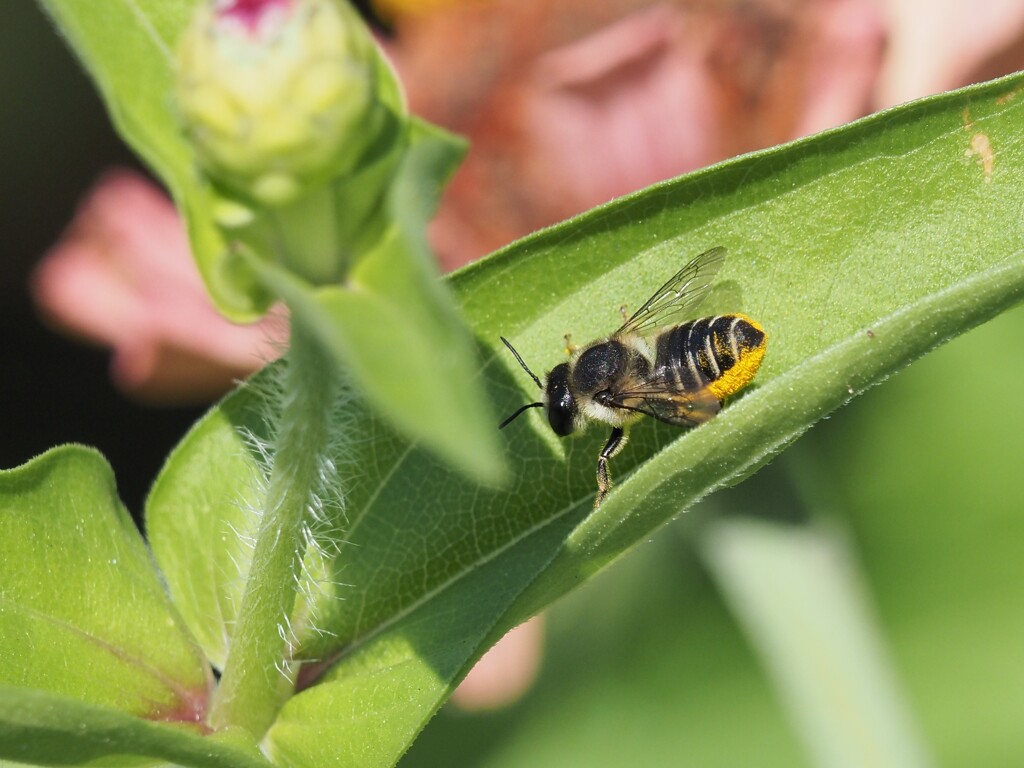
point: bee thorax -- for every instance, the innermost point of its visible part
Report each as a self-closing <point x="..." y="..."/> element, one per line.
<point x="604" y="364"/>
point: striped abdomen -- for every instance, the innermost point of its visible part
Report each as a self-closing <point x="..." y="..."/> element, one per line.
<point x="721" y="353"/>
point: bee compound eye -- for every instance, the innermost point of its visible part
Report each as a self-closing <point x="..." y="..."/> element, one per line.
<point x="561" y="420"/>
<point x="561" y="405"/>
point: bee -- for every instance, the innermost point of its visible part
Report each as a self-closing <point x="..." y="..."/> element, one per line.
<point x="679" y="373"/>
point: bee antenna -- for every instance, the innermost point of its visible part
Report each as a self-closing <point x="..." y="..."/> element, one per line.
<point x="511" y="418"/>
<point x="525" y="368"/>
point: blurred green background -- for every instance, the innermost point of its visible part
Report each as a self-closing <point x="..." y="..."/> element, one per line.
<point x="647" y="665"/>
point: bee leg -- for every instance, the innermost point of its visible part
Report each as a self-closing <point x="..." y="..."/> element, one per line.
<point x="616" y="441"/>
<point x="569" y="346"/>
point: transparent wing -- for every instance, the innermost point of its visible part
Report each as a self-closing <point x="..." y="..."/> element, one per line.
<point x="659" y="401"/>
<point x="678" y="296"/>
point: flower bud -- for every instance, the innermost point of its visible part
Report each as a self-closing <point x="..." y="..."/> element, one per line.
<point x="281" y="95"/>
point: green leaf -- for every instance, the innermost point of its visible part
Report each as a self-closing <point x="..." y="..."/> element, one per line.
<point x="82" y="610"/>
<point x="46" y="729"/>
<point x="859" y="250"/>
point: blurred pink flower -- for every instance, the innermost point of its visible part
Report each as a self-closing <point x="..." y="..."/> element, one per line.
<point x="570" y="104"/>
<point x="506" y="671"/>
<point x="122" y="276"/>
<point x="937" y="45"/>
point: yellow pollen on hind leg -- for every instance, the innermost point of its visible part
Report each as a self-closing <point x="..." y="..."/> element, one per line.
<point x="743" y="371"/>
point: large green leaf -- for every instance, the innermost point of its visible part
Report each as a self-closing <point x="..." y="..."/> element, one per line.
<point x="82" y="610"/>
<point x="859" y="250"/>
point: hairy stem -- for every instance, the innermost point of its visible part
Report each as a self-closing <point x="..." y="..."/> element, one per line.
<point x="253" y="685"/>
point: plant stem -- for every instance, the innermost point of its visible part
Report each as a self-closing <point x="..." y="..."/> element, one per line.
<point x="253" y="684"/>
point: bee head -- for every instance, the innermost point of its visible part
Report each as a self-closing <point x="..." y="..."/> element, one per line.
<point x="557" y="401"/>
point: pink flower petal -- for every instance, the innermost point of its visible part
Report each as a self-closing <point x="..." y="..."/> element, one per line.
<point x="122" y="276"/>
<point x="936" y="45"/>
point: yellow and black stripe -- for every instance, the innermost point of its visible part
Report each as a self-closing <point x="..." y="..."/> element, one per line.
<point x="721" y="353"/>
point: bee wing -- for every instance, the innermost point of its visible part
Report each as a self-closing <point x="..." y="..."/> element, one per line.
<point x="687" y="288"/>
<point x="660" y="401"/>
